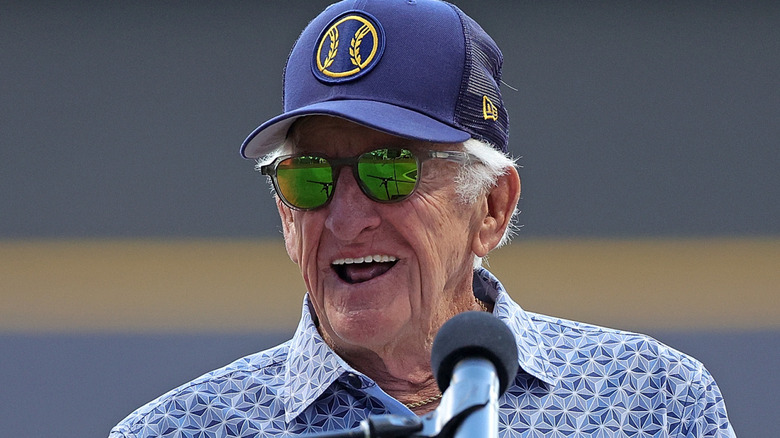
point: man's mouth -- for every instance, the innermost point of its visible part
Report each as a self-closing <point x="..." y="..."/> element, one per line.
<point x="358" y="270"/>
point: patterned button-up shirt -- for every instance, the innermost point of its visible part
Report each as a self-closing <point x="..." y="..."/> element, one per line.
<point x="574" y="380"/>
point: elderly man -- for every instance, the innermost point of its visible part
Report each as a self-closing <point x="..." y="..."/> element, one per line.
<point x="393" y="180"/>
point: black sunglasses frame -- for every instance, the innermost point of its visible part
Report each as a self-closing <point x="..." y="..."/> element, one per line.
<point x="270" y="170"/>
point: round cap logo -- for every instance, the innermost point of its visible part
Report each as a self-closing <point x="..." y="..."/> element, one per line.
<point x="349" y="47"/>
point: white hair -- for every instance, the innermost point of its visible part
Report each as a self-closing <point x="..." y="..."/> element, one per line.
<point x="474" y="180"/>
<point x="471" y="181"/>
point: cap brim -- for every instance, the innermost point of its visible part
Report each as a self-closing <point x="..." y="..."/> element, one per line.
<point x="376" y="115"/>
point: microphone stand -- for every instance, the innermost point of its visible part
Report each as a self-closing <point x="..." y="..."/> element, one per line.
<point x="466" y="410"/>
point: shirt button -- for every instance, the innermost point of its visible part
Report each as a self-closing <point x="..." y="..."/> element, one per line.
<point x="354" y="381"/>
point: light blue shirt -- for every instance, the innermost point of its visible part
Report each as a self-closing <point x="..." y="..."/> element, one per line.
<point x="574" y="380"/>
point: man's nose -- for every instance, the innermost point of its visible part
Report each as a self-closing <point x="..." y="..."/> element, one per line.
<point x="350" y="211"/>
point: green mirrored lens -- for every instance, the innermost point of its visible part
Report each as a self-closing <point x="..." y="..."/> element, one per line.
<point x="388" y="174"/>
<point x="305" y="182"/>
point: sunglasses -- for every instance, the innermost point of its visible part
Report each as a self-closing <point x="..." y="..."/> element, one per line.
<point x="307" y="181"/>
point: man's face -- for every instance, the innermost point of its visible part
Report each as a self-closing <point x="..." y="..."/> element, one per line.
<point x="420" y="248"/>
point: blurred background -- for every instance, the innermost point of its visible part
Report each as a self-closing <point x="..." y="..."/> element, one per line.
<point x="138" y="250"/>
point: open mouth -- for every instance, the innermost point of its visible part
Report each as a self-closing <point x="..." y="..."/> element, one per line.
<point x="361" y="269"/>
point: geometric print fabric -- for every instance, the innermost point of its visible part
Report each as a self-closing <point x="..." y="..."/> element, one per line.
<point x="574" y="380"/>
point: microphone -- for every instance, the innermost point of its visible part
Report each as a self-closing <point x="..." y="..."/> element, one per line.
<point x="474" y="359"/>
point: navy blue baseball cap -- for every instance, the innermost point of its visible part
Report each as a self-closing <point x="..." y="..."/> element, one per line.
<point x="418" y="69"/>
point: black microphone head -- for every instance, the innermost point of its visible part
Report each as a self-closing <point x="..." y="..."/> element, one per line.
<point x="474" y="334"/>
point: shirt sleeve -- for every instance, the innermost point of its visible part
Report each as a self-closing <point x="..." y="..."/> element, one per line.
<point x="706" y="413"/>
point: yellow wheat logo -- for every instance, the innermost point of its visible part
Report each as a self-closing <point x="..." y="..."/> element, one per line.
<point x="333" y="34"/>
<point x="364" y="48"/>
<point x="354" y="45"/>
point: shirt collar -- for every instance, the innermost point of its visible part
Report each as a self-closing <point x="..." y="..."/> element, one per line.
<point x="531" y="349"/>
<point x="313" y="366"/>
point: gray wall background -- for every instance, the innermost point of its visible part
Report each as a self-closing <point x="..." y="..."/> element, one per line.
<point x="645" y="118"/>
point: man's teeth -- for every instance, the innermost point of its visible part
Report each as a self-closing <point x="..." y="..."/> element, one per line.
<point x="365" y="259"/>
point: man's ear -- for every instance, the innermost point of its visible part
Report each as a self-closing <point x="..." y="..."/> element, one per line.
<point x="291" y="242"/>
<point x="499" y="205"/>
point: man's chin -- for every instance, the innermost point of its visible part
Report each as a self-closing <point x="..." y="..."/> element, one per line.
<point x="365" y="329"/>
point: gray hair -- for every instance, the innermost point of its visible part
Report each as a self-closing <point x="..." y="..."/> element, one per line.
<point x="471" y="181"/>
